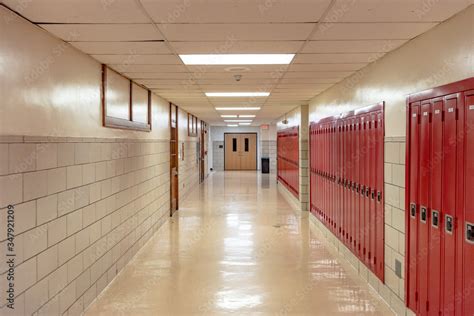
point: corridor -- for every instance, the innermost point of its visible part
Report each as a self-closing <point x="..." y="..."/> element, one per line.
<point x="236" y="246"/>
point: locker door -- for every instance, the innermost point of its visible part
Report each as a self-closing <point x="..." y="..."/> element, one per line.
<point x="350" y="181"/>
<point x="380" y="239"/>
<point x="424" y="198"/>
<point x="468" y="240"/>
<point x="450" y="228"/>
<point x="363" y="177"/>
<point x="434" y="272"/>
<point x="414" y="143"/>
<point x="340" y="175"/>
<point x="367" y="173"/>
<point x="372" y="179"/>
<point x="345" y="203"/>
<point x="357" y="171"/>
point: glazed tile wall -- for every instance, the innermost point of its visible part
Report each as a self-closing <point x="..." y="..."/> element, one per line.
<point x="269" y="149"/>
<point x="83" y="208"/>
<point x="218" y="155"/>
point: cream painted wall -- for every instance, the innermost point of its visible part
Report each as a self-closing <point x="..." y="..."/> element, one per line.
<point x="442" y="55"/>
<point x="49" y="88"/>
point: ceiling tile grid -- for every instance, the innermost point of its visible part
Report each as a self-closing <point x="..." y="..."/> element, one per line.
<point x="142" y="39"/>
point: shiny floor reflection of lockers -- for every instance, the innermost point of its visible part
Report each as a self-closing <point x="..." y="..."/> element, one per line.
<point x="236" y="246"/>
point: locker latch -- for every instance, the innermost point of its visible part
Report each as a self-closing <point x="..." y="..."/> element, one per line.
<point x="367" y="192"/>
<point x="373" y="194"/>
<point x="449" y="224"/>
<point x="435" y="219"/>
<point x="423" y="214"/>
<point x="357" y="188"/>
<point x="379" y="196"/>
<point x="413" y="210"/>
<point x="470" y="233"/>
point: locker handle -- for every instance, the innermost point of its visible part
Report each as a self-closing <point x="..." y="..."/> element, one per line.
<point x="470" y="233"/>
<point x="379" y="196"/>
<point x="413" y="210"/>
<point x="449" y="224"/>
<point x="423" y="214"/>
<point x="373" y="194"/>
<point x="435" y="218"/>
<point x="357" y="188"/>
<point x="362" y="190"/>
<point x="367" y="191"/>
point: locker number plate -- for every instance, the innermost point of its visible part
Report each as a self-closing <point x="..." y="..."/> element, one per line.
<point x="423" y="214"/>
<point x="435" y="219"/>
<point x="449" y="224"/>
<point x="470" y="233"/>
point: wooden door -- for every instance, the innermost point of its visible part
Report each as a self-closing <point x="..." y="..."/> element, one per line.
<point x="174" y="187"/>
<point x="240" y="151"/>
<point x="248" y="151"/>
<point x="232" y="155"/>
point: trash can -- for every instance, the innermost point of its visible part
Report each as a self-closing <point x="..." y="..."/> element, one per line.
<point x="265" y="165"/>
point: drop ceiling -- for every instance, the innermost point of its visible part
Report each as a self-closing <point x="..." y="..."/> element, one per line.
<point x="332" y="39"/>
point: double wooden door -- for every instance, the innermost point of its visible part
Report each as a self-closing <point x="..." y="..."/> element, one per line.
<point x="240" y="151"/>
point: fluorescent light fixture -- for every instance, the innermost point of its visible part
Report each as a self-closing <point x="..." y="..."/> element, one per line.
<point x="246" y="115"/>
<point x="232" y="125"/>
<point x="237" y="59"/>
<point x="237" y="94"/>
<point x="237" y="121"/>
<point x="245" y="123"/>
<point x="229" y="116"/>
<point x="238" y="108"/>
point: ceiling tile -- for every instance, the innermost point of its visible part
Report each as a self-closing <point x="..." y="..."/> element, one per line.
<point x="166" y="76"/>
<point x="141" y="48"/>
<point x="395" y="10"/>
<point x="150" y="68"/>
<point x="103" y="32"/>
<point x="366" y="46"/>
<point x="308" y="80"/>
<point x="238" y="47"/>
<point x="336" y="58"/>
<point x="135" y="59"/>
<point x="363" y="31"/>
<point x="236" y="32"/>
<point x="327" y="67"/>
<point x="309" y="74"/>
<point x="231" y="11"/>
<point x="79" y="11"/>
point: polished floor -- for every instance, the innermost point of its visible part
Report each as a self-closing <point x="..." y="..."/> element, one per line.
<point x="237" y="247"/>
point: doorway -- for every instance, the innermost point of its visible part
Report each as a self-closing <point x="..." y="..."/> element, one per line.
<point x="174" y="187"/>
<point x="240" y="151"/>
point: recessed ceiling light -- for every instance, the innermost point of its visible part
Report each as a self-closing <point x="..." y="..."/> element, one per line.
<point x="229" y="116"/>
<point x="246" y="115"/>
<point x="245" y="123"/>
<point x="237" y="121"/>
<point x="237" y="94"/>
<point x="232" y="125"/>
<point x="237" y="59"/>
<point x="238" y="108"/>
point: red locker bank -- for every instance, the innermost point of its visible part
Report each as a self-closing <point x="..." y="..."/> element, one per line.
<point x="288" y="158"/>
<point x="439" y="205"/>
<point x="347" y="181"/>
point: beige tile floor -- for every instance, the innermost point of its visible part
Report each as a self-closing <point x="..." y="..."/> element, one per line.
<point x="236" y="247"/>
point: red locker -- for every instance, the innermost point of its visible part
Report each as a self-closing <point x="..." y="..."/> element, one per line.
<point x="468" y="229"/>
<point x="380" y="208"/>
<point x="424" y="198"/>
<point x="366" y="173"/>
<point x="434" y="269"/>
<point x="371" y="198"/>
<point x="357" y="164"/>
<point x="449" y="206"/>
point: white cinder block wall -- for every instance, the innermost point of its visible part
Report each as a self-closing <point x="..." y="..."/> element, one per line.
<point x="86" y="198"/>
<point x="298" y="117"/>
<point x="420" y="64"/>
